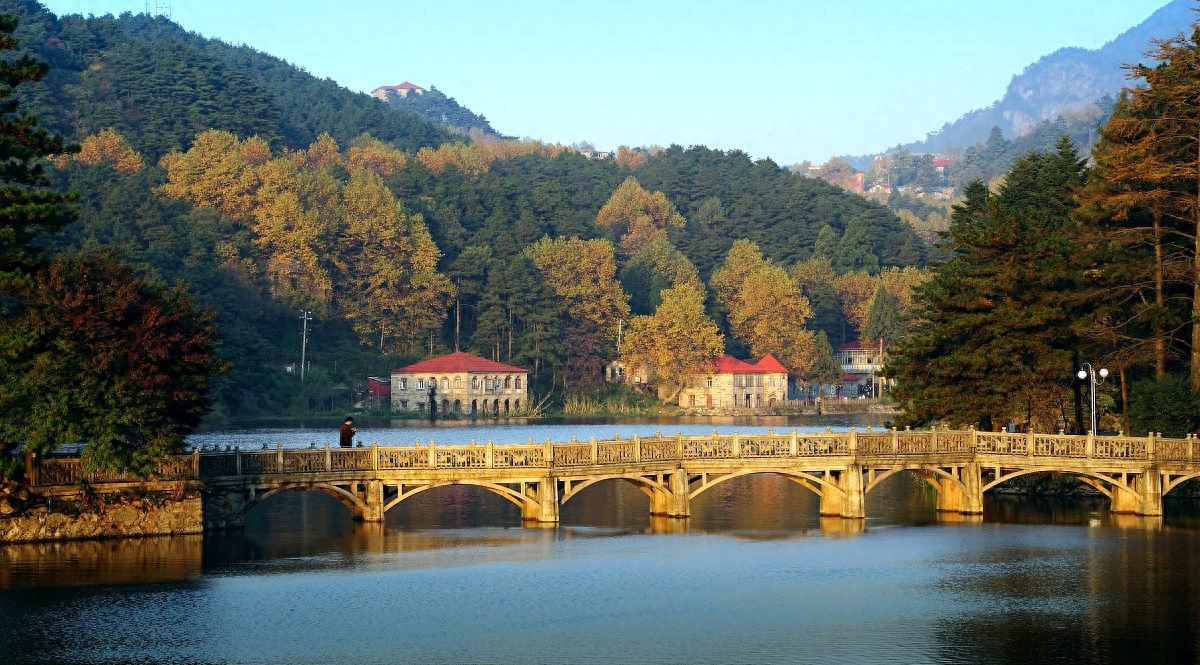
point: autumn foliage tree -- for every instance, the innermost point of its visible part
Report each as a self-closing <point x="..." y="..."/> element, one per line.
<point x="583" y="274"/>
<point x="677" y="341"/>
<point x="101" y="356"/>
<point x="637" y="217"/>
<point x="766" y="310"/>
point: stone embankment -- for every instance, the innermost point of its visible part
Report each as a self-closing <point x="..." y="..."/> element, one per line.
<point x="105" y="517"/>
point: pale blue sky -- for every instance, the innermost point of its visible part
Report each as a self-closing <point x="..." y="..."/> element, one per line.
<point x="790" y="80"/>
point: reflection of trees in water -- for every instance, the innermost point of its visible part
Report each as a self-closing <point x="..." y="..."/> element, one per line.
<point x="1118" y="596"/>
<point x="110" y="561"/>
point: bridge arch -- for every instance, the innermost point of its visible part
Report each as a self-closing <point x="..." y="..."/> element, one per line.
<point x="920" y="471"/>
<point x="646" y="485"/>
<point x="816" y="484"/>
<point x="343" y="496"/>
<point x="506" y="493"/>
<point x="1106" y="485"/>
<point x="1172" y="483"/>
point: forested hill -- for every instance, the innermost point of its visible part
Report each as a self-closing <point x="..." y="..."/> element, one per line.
<point x="268" y="192"/>
<point x="159" y="85"/>
<point x="436" y="107"/>
<point x="1065" y="83"/>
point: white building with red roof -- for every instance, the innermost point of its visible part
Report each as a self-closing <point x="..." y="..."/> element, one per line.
<point x="386" y="92"/>
<point x="737" y="384"/>
<point x="460" y="382"/>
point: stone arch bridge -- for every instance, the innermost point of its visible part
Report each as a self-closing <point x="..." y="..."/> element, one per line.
<point x="841" y="468"/>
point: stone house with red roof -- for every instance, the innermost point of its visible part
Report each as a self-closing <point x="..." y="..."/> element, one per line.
<point x="386" y="92"/>
<point x="737" y="384"/>
<point x="460" y="382"/>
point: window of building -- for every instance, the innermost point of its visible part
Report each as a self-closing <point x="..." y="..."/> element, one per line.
<point x="457" y="382"/>
<point x="420" y="384"/>
<point x="517" y="383"/>
<point x="421" y="407"/>
<point x="474" y="383"/>
<point x="508" y="382"/>
<point x="710" y="380"/>
<point x="445" y="383"/>
<point x="487" y="383"/>
<point x="404" y="404"/>
<point x="403" y="384"/>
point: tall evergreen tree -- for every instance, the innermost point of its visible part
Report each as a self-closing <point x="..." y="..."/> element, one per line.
<point x="27" y="205"/>
<point x="995" y="337"/>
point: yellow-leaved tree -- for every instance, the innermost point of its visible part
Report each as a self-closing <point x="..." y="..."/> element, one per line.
<point x="766" y="310"/>
<point x="388" y="287"/>
<point x="213" y="173"/>
<point x="677" y="341"/>
<point x="583" y="274"/>
<point x="637" y="217"/>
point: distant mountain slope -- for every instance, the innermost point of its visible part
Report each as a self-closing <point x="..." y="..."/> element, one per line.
<point x="1066" y="80"/>
<point x="434" y="106"/>
<point x="159" y="85"/>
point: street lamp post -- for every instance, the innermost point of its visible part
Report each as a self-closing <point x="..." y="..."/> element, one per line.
<point x="1089" y="374"/>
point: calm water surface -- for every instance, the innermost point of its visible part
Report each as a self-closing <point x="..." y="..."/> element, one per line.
<point x="754" y="577"/>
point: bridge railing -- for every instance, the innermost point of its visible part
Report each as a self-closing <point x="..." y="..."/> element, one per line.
<point x="771" y="445"/>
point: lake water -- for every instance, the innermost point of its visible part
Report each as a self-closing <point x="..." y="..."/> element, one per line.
<point x="755" y="576"/>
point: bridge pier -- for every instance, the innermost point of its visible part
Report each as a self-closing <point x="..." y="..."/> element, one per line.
<point x="1146" y="498"/>
<point x="542" y="502"/>
<point x="224" y="508"/>
<point x="848" y="498"/>
<point x="961" y="495"/>
<point x="371" y="493"/>
<point x="681" y="506"/>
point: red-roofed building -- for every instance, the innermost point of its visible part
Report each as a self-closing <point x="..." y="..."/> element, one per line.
<point x="737" y="384"/>
<point x="460" y="382"/>
<point x="386" y="92"/>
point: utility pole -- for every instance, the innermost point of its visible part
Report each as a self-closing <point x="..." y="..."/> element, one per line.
<point x="305" y="317"/>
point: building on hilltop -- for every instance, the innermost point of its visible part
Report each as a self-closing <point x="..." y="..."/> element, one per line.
<point x="386" y="92"/>
<point x="460" y="382"/>
<point x="737" y="384"/>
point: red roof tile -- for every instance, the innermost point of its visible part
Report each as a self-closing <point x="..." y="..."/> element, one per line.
<point x="769" y="364"/>
<point x="459" y="361"/>
<point x="729" y="365"/>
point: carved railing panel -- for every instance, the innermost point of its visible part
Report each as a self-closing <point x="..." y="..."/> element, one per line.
<point x="573" y="454"/>
<point x="389" y="459"/>
<point x="179" y="467"/>
<point x="1172" y="450"/>
<point x="659" y="450"/>
<point x="1120" y="447"/>
<point x="519" y="457"/>
<point x="954" y="442"/>
<point x="914" y="443"/>
<point x="822" y="446"/>
<point x="617" y="452"/>
<point x="218" y="464"/>
<point x="766" y="446"/>
<point x="260" y="462"/>
<point x="1059" y="445"/>
<point x="875" y="444"/>
<point x="304" y="461"/>
<point x="717" y="448"/>
<point x="60" y="472"/>
<point x="1001" y="443"/>
<point x="473" y="457"/>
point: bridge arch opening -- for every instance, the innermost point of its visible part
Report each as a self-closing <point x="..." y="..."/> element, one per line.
<point x="1182" y="487"/>
<point x="608" y="500"/>
<point x="317" y="504"/>
<point x="453" y="505"/>
<point x="766" y="499"/>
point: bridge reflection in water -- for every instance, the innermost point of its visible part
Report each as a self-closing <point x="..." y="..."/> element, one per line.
<point x="841" y="469"/>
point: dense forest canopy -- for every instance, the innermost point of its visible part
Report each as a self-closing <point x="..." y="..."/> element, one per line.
<point x="268" y="191"/>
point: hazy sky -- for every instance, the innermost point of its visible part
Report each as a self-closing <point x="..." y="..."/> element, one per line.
<point x="786" y="79"/>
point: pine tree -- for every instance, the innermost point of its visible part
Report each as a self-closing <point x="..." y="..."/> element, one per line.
<point x="27" y="205"/>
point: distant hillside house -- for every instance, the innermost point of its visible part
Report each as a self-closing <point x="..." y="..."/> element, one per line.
<point x="386" y="92"/>
<point x="459" y="382"/>
<point x="737" y="384"/>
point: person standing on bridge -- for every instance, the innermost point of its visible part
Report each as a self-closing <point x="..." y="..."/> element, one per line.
<point x="346" y="434"/>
